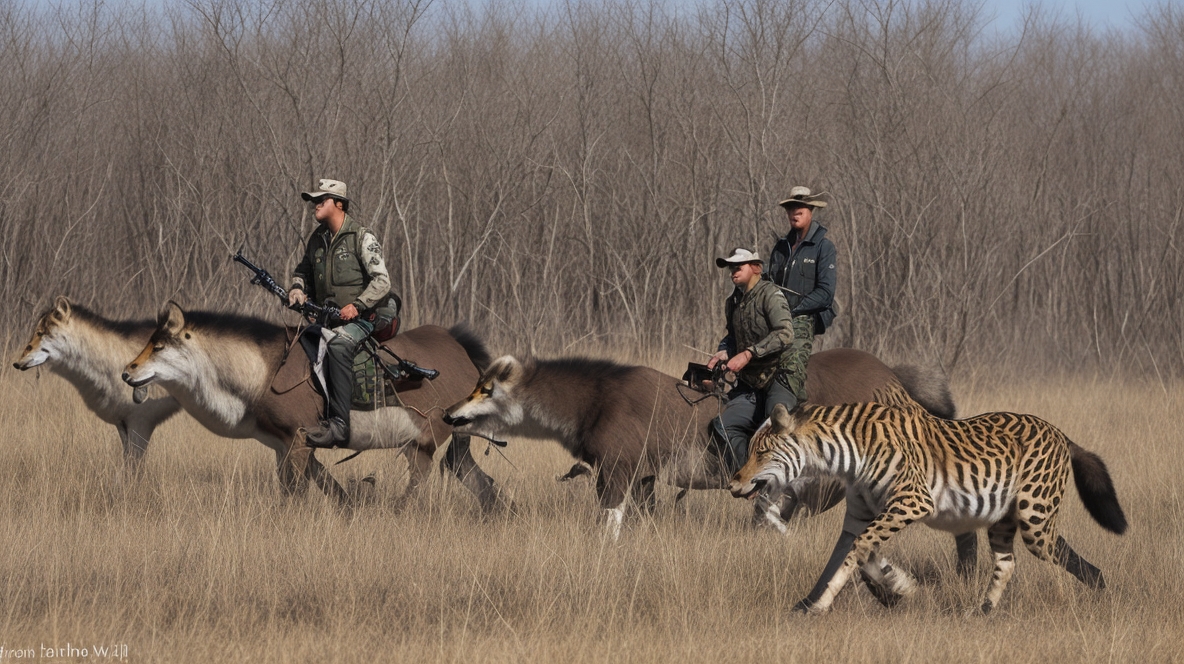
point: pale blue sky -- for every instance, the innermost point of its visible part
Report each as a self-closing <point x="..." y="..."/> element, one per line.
<point x="1099" y="13"/>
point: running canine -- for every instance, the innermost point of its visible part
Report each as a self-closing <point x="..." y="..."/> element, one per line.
<point x="242" y="377"/>
<point x="89" y="350"/>
<point x="632" y="424"/>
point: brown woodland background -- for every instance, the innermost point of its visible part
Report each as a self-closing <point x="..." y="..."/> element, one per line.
<point x="563" y="175"/>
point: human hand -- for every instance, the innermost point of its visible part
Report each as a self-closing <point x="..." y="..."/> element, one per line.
<point x="349" y="312"/>
<point x="739" y="361"/>
<point x="717" y="358"/>
<point x="297" y="297"/>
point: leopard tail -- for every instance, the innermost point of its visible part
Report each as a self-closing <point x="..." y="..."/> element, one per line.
<point x="1097" y="489"/>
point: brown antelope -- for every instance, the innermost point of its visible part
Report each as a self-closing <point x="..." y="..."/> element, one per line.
<point x="243" y="377"/>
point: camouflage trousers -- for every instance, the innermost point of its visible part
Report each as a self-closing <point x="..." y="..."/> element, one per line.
<point x="794" y="359"/>
<point x="747" y="407"/>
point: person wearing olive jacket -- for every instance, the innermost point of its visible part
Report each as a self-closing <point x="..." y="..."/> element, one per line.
<point x="343" y="266"/>
<point x="758" y="343"/>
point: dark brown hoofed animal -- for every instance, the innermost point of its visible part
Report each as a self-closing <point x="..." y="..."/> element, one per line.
<point x="1002" y="471"/>
<point x="631" y="423"/>
<point x="242" y="377"/>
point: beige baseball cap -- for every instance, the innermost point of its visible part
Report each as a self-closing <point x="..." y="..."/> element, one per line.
<point x="739" y="256"/>
<point x="803" y="196"/>
<point x="332" y="188"/>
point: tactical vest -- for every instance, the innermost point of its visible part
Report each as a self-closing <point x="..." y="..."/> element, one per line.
<point x="337" y="272"/>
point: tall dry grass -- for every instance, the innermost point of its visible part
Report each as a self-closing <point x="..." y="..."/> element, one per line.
<point x="201" y="559"/>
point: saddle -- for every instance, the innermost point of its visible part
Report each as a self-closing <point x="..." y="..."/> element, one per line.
<point x="377" y="379"/>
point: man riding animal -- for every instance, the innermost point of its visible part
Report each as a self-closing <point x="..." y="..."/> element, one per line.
<point x="343" y="266"/>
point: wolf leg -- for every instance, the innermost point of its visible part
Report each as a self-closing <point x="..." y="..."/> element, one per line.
<point x="419" y="465"/>
<point x="131" y="457"/>
<point x="141" y="424"/>
<point x="458" y="459"/>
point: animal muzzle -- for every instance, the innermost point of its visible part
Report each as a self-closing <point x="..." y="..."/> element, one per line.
<point x="454" y="421"/>
<point x="135" y="382"/>
<point x="745" y="489"/>
<point x="30" y="359"/>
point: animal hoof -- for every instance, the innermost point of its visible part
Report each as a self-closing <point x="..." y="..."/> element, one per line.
<point x="576" y="471"/>
<point x="883" y="595"/>
<point x="802" y="607"/>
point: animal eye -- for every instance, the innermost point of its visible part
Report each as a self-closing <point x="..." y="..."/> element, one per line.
<point x="487" y="391"/>
<point x="157" y="348"/>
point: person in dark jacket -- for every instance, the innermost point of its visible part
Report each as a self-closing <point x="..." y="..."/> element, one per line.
<point x="342" y="265"/>
<point x="803" y="264"/>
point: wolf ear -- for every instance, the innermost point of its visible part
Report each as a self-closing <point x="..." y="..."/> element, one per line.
<point x="171" y="319"/>
<point x="505" y="368"/>
<point x="61" y="309"/>
<point x="782" y="420"/>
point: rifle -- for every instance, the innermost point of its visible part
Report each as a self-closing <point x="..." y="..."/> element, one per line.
<point x="263" y="278"/>
<point x="323" y="314"/>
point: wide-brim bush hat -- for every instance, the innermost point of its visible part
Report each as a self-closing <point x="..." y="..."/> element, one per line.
<point x="739" y="256"/>
<point x="331" y="188"/>
<point x="803" y="196"/>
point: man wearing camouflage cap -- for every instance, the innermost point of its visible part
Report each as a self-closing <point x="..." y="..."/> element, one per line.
<point x="760" y="334"/>
<point x="342" y="266"/>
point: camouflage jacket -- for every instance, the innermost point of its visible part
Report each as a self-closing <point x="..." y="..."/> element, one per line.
<point x="758" y="321"/>
<point x="346" y="268"/>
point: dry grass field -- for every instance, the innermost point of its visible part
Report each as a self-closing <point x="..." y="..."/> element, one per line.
<point x="200" y="559"/>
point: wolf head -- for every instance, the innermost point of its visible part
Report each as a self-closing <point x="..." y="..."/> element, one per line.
<point x="48" y="340"/>
<point x="494" y="404"/>
<point x="775" y="454"/>
<point x="166" y="349"/>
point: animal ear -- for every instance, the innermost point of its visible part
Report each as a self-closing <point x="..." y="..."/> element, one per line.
<point x="782" y="420"/>
<point x="171" y="318"/>
<point x="505" y="368"/>
<point x="61" y="308"/>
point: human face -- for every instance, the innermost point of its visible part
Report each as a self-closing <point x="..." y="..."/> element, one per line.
<point x="800" y="217"/>
<point x="744" y="274"/>
<point x="327" y="210"/>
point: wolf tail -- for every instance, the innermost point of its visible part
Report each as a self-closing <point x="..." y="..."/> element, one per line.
<point x="1097" y="489"/>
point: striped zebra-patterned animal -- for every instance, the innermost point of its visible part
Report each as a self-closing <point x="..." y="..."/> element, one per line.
<point x="1000" y="471"/>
